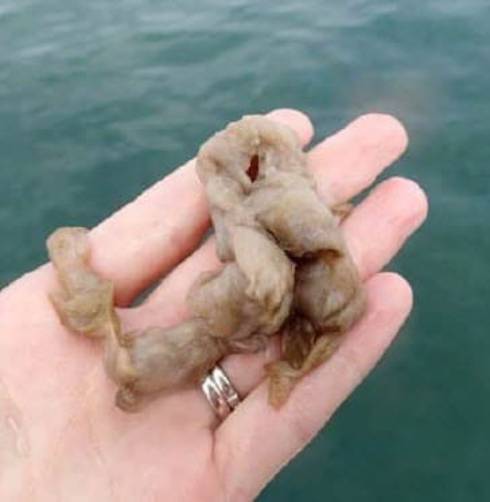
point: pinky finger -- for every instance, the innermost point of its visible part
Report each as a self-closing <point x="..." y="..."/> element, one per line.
<point x="256" y="440"/>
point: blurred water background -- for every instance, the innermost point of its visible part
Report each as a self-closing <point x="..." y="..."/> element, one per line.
<point x="101" y="98"/>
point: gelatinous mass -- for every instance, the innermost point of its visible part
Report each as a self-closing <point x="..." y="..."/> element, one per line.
<point x="285" y="269"/>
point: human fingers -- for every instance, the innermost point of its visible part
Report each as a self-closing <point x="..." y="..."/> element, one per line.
<point x="149" y="243"/>
<point x="374" y="231"/>
<point x="166" y="222"/>
<point x="150" y="235"/>
<point x="349" y="161"/>
<point x="343" y="164"/>
<point x="256" y="440"/>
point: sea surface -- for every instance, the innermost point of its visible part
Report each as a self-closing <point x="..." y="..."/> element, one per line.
<point x="99" y="99"/>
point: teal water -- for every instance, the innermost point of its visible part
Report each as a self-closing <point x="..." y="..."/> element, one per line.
<point x="99" y="99"/>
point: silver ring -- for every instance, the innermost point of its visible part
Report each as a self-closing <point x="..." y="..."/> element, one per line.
<point x="220" y="392"/>
<point x="223" y="382"/>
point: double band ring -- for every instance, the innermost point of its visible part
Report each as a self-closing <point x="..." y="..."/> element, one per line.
<point x="220" y="393"/>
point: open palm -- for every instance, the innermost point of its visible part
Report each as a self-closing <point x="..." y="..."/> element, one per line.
<point x="62" y="438"/>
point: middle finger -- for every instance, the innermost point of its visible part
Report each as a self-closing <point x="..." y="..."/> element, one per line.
<point x="374" y="232"/>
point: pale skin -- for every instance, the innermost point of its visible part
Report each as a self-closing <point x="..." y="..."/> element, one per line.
<point x="62" y="438"/>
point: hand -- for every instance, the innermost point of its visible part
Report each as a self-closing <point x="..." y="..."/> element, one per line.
<point x="62" y="437"/>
